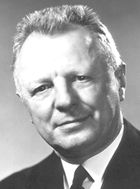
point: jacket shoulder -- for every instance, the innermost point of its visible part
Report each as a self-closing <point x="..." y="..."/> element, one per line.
<point x="132" y="135"/>
<point x="24" y="178"/>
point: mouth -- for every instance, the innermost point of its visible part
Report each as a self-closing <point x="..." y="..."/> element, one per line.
<point x="73" y="122"/>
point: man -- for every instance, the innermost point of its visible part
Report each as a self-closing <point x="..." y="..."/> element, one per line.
<point x="69" y="74"/>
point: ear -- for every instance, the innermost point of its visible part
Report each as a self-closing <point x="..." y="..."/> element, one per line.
<point x="19" y="96"/>
<point x="121" y="76"/>
<point x="17" y="86"/>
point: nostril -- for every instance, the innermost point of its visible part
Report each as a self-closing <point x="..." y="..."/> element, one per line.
<point x="65" y="102"/>
<point x="62" y="109"/>
<point x="64" y="105"/>
<point x="66" y="108"/>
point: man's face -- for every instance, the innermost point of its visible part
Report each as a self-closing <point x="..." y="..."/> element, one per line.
<point x="71" y="95"/>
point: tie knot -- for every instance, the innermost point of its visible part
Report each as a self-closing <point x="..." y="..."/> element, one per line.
<point x="79" y="176"/>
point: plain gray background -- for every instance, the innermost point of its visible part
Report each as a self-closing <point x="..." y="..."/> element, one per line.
<point x="20" y="145"/>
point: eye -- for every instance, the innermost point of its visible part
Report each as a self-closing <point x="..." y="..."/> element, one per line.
<point x="42" y="88"/>
<point x="81" y="78"/>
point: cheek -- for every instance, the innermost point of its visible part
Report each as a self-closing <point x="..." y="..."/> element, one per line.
<point x="41" y="118"/>
<point x="91" y="95"/>
<point x="40" y="110"/>
<point x="113" y="100"/>
<point x="101" y="99"/>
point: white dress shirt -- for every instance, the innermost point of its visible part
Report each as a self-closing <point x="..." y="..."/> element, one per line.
<point x="95" y="166"/>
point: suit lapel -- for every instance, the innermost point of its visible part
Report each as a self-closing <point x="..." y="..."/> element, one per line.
<point x="122" y="171"/>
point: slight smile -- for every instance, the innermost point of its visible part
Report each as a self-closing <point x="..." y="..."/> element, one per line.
<point x="73" y="123"/>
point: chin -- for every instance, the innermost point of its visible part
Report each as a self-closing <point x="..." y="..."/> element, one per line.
<point x="73" y="153"/>
<point x="73" y="150"/>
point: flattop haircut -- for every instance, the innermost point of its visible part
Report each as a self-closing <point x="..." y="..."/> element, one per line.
<point x="55" y="20"/>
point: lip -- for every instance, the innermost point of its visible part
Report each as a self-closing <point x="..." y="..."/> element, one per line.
<point x="78" y="120"/>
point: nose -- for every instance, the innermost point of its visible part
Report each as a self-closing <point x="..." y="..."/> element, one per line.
<point x="65" y="97"/>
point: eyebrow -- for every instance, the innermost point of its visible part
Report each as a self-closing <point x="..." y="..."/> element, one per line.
<point x="41" y="80"/>
<point x="36" y="82"/>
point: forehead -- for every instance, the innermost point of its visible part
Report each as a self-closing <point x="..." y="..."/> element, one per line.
<point x="42" y="53"/>
<point x="64" y="40"/>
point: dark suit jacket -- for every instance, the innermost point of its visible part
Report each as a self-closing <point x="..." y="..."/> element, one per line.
<point x="123" y="171"/>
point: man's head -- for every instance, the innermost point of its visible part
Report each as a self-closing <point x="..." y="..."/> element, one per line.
<point x="70" y="75"/>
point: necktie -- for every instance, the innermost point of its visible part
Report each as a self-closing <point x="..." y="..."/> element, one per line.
<point x="79" y="177"/>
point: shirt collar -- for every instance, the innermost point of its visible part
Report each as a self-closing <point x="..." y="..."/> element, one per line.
<point x="97" y="164"/>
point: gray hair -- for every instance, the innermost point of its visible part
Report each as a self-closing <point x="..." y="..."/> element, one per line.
<point x="59" y="19"/>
